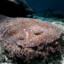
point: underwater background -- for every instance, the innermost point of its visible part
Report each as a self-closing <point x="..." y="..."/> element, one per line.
<point x="39" y="5"/>
<point x="46" y="10"/>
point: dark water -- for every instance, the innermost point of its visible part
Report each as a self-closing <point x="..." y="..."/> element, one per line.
<point x="22" y="8"/>
<point x="39" y="5"/>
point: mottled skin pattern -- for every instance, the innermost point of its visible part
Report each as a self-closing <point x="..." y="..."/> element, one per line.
<point x="28" y="38"/>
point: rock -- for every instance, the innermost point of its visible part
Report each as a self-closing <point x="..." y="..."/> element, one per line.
<point x="28" y="39"/>
<point x="15" y="8"/>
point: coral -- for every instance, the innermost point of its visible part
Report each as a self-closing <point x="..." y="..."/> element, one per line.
<point x="59" y="25"/>
<point x="27" y="38"/>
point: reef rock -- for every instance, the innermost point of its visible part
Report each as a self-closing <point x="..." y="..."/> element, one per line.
<point x="27" y="38"/>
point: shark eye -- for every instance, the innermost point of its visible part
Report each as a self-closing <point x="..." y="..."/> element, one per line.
<point x="38" y="32"/>
<point x="20" y="38"/>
